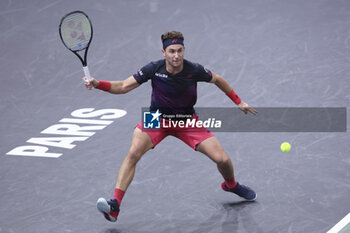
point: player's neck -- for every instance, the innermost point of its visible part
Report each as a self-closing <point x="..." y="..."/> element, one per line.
<point x="173" y="70"/>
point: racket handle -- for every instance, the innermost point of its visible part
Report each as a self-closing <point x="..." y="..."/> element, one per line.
<point x="86" y="72"/>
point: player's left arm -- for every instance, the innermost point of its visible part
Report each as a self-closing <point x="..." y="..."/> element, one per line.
<point x="223" y="85"/>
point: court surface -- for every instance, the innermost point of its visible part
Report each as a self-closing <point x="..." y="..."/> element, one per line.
<point x="274" y="53"/>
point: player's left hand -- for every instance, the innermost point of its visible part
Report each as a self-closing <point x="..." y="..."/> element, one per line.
<point x="246" y="108"/>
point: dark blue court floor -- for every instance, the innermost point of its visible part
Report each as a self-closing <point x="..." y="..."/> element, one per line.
<point x="274" y="53"/>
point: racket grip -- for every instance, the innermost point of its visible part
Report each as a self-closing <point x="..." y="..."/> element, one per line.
<point x="86" y="72"/>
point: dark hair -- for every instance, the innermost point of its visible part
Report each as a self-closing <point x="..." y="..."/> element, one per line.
<point x="172" y="35"/>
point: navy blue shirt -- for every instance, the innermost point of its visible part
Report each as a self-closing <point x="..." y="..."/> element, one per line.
<point x="173" y="93"/>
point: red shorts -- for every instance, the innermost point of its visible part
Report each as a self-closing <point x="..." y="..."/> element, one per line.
<point x="192" y="136"/>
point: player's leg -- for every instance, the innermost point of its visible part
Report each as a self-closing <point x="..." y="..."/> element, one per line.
<point x="140" y="144"/>
<point x="213" y="149"/>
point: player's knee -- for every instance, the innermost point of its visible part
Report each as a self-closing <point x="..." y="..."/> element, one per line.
<point x="134" y="155"/>
<point x="223" y="160"/>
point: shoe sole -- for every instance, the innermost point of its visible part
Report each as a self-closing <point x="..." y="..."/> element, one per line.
<point x="256" y="196"/>
<point x="104" y="208"/>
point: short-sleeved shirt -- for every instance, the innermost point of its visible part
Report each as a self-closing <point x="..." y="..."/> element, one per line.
<point x="173" y="93"/>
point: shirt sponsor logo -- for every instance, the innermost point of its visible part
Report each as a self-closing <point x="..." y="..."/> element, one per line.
<point x="161" y="75"/>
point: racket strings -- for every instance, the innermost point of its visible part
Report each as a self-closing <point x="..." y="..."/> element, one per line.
<point x="76" y="31"/>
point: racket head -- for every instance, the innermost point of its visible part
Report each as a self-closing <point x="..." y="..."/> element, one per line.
<point x="76" y="31"/>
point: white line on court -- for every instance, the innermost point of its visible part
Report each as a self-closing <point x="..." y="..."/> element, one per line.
<point x="340" y="225"/>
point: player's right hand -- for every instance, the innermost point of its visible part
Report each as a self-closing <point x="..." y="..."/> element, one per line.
<point x="91" y="83"/>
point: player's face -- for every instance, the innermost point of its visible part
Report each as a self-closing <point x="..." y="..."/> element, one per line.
<point x="174" y="55"/>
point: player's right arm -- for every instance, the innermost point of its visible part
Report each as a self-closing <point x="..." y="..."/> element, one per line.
<point x="116" y="87"/>
<point x="122" y="87"/>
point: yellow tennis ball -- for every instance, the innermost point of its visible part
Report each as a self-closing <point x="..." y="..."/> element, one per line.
<point x="285" y="147"/>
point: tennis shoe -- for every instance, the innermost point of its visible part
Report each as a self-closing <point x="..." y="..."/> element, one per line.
<point x="109" y="209"/>
<point x="242" y="191"/>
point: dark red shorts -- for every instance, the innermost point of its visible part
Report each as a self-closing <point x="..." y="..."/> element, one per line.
<point x="192" y="136"/>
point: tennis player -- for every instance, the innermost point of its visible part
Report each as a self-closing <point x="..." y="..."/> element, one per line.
<point x="174" y="91"/>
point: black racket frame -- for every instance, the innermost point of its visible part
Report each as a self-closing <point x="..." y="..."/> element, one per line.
<point x="83" y="61"/>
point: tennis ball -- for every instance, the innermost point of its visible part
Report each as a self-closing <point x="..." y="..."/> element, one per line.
<point x="285" y="147"/>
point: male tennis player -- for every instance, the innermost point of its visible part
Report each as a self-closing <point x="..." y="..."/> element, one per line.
<point x="174" y="90"/>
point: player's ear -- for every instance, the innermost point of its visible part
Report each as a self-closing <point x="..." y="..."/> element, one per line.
<point x="163" y="51"/>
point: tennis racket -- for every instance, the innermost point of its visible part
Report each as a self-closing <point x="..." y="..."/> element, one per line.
<point x="76" y="34"/>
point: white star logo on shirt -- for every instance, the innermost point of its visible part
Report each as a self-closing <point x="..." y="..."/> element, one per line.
<point x="156" y="115"/>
